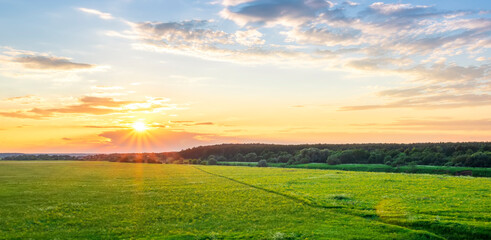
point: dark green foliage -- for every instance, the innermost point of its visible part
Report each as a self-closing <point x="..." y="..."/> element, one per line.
<point x="262" y="163"/>
<point x="212" y="160"/>
<point x="472" y="154"/>
<point x="239" y="157"/>
<point x="221" y="158"/>
<point x="251" y="157"/>
<point x="170" y="157"/>
<point x="410" y="168"/>
<point x="284" y="157"/>
<point x="334" y="159"/>
<point x="308" y="155"/>
<point x="376" y="157"/>
<point x="27" y="157"/>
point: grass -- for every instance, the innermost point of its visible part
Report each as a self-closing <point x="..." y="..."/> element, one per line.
<point x="103" y="200"/>
<point x="476" y="172"/>
<point x="449" y="206"/>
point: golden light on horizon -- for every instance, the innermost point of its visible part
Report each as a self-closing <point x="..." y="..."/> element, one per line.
<point x="139" y="126"/>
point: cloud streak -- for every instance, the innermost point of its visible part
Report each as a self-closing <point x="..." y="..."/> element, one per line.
<point x="433" y="125"/>
<point x="50" y="63"/>
<point x="102" y="15"/>
<point x="90" y="105"/>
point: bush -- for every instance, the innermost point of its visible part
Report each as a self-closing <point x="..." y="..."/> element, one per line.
<point x="262" y="163"/>
<point x="333" y="159"/>
<point x="212" y="160"/>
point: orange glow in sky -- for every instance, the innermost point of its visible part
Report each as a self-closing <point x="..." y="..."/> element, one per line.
<point x="159" y="76"/>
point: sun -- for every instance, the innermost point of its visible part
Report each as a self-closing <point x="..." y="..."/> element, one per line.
<point x="139" y="126"/>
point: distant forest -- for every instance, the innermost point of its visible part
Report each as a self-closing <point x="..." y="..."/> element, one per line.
<point x="470" y="154"/>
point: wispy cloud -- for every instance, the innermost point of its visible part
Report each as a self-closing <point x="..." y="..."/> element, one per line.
<point x="96" y="106"/>
<point x="432" y="125"/>
<point x="102" y="15"/>
<point x="439" y="101"/>
<point x="27" y="99"/>
<point x="16" y="63"/>
<point x="45" y="62"/>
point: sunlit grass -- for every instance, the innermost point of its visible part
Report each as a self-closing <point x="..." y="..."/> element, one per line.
<point x="117" y="200"/>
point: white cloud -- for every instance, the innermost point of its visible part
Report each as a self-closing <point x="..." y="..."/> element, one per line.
<point x="416" y="42"/>
<point x="102" y="15"/>
<point x="249" y="37"/>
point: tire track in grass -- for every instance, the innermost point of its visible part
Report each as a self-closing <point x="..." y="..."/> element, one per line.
<point x="315" y="205"/>
<point x="296" y="199"/>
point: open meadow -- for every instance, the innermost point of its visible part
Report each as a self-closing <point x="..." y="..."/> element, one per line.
<point x="69" y="199"/>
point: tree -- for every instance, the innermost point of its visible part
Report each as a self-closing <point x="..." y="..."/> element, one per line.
<point x="308" y="155"/>
<point x="333" y="159"/>
<point x="212" y="160"/>
<point x="399" y="160"/>
<point x="262" y="163"/>
<point x="239" y="157"/>
<point x="251" y="157"/>
<point x="479" y="159"/>
<point x="376" y="156"/>
<point x="284" y="157"/>
<point x="221" y="158"/>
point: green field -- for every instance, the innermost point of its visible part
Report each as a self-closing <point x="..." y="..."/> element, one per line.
<point x="64" y="200"/>
<point x="475" y="171"/>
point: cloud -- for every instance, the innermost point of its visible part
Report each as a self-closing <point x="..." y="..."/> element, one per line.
<point x="438" y="53"/>
<point x="276" y="12"/>
<point x="15" y="63"/>
<point x="430" y="102"/>
<point x="404" y="92"/>
<point x="20" y="114"/>
<point x="249" y="37"/>
<point x="197" y="38"/>
<point x="102" y="15"/>
<point x="433" y="125"/>
<point x="324" y="36"/>
<point x="187" y="123"/>
<point x="105" y="126"/>
<point x="187" y="33"/>
<point x="27" y="99"/>
<point x="44" y="62"/>
<point x="399" y="9"/>
<point x="88" y="105"/>
<point x="96" y="106"/>
<point x="439" y="73"/>
<point x="106" y="88"/>
<point x="433" y="87"/>
<point x="234" y="2"/>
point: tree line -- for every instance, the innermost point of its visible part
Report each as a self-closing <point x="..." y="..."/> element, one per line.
<point x="32" y="157"/>
<point x="472" y="154"/>
<point x="469" y="154"/>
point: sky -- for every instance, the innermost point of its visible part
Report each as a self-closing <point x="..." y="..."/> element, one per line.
<point x="152" y="76"/>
